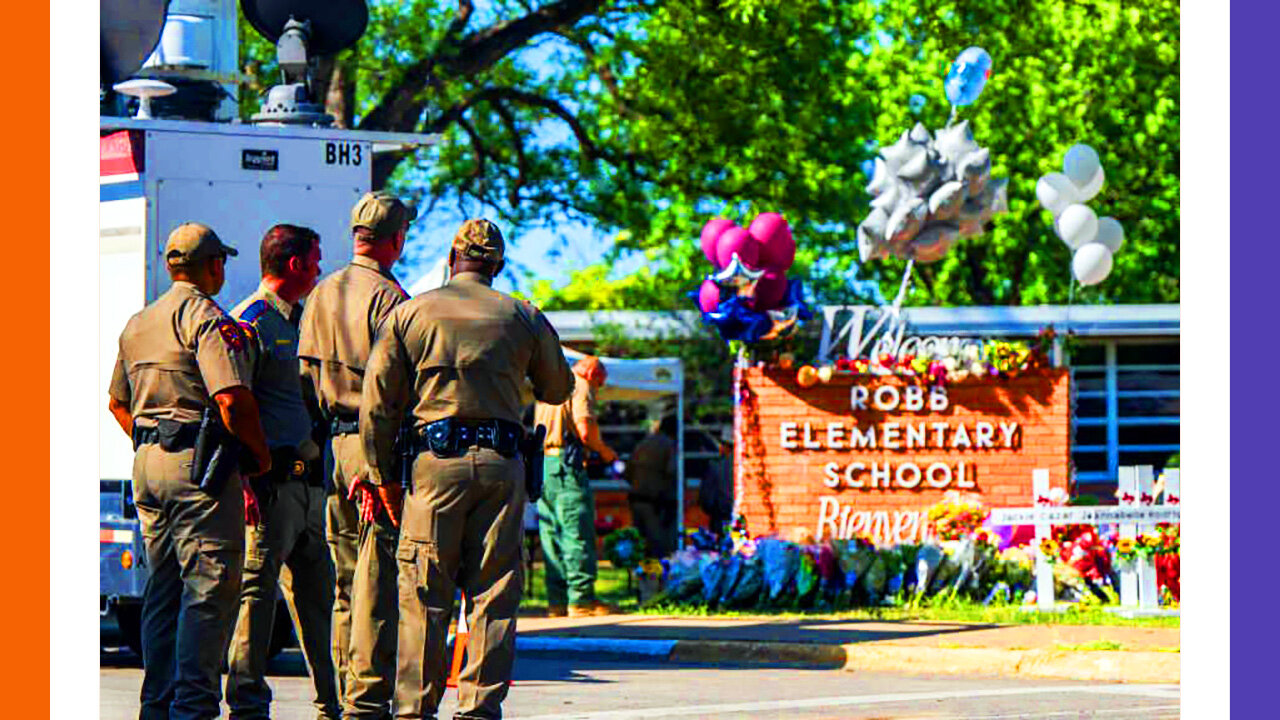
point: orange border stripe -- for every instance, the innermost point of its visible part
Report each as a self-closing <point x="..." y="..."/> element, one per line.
<point x="24" y="667"/>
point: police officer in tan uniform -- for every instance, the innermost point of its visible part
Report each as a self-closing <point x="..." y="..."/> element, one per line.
<point x="339" y="324"/>
<point x="567" y="509"/>
<point x="183" y="360"/>
<point x="290" y="536"/>
<point x="452" y="361"/>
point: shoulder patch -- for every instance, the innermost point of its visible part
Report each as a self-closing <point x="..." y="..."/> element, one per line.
<point x="231" y="334"/>
<point x="250" y="331"/>
<point x="254" y="311"/>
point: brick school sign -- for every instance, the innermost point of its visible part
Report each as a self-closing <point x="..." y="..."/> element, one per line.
<point x="868" y="455"/>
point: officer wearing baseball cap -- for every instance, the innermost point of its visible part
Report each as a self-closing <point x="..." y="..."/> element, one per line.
<point x="339" y="324"/>
<point x="181" y="385"/>
<point x="453" y="360"/>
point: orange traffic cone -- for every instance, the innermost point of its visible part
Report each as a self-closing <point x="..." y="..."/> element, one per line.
<point x="460" y="637"/>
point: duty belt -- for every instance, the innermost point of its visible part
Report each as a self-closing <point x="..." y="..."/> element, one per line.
<point x="182" y="436"/>
<point x="344" y="425"/>
<point x="452" y="437"/>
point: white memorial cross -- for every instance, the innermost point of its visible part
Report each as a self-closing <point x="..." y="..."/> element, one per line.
<point x="1129" y="513"/>
<point x="1138" y="586"/>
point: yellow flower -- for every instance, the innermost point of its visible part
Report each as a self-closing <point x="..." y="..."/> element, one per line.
<point x="1150" y="540"/>
<point x="1124" y="546"/>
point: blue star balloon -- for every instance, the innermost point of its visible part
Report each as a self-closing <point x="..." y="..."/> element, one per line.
<point x="967" y="76"/>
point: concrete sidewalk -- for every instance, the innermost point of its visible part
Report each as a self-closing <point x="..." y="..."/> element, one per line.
<point x="1146" y="654"/>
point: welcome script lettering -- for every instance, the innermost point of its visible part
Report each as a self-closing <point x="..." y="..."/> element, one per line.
<point x="887" y="336"/>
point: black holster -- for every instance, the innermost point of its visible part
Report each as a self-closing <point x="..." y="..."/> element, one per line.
<point x="217" y="454"/>
<point x="531" y="447"/>
<point x="406" y="451"/>
<point x="573" y="453"/>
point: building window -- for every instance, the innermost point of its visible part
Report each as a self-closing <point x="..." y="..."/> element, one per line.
<point x="1126" y="409"/>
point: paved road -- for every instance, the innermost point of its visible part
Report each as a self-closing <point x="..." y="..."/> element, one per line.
<point x="548" y="688"/>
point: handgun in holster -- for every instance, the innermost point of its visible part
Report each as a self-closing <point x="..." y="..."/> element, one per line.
<point x="405" y="450"/>
<point x="531" y="447"/>
<point x="217" y="454"/>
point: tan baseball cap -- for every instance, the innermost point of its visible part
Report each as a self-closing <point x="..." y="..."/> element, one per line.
<point x="191" y="242"/>
<point x="479" y="239"/>
<point x="383" y="213"/>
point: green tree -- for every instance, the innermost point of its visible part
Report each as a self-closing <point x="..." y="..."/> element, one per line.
<point x="648" y="118"/>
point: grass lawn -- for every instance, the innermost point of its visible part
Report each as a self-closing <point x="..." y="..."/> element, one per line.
<point x="611" y="587"/>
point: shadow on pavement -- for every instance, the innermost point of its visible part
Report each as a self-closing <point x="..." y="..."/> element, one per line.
<point x="791" y="630"/>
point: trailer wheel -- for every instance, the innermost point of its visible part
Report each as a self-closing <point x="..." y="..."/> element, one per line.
<point x="129" y="619"/>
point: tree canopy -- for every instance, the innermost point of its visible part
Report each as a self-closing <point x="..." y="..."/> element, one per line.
<point x="648" y="118"/>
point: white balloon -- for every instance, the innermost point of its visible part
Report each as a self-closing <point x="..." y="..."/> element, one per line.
<point x="1110" y="234"/>
<point x="1091" y="263"/>
<point x="1091" y="188"/>
<point x="1081" y="164"/>
<point x="1055" y="192"/>
<point x="1077" y="226"/>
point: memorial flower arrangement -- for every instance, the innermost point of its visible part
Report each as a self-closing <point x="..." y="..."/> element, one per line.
<point x="994" y="359"/>
<point x="955" y="518"/>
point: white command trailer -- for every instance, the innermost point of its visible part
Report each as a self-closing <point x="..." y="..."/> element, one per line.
<point x="240" y="180"/>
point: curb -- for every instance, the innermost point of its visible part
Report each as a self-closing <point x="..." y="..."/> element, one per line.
<point x="1108" y="666"/>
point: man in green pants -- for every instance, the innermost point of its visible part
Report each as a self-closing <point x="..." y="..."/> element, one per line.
<point x="567" y="510"/>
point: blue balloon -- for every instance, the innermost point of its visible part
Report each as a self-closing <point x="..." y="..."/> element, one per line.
<point x="916" y="102"/>
<point x="734" y="319"/>
<point x="967" y="76"/>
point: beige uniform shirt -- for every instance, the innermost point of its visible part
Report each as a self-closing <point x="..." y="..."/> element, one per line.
<point x="559" y="419"/>
<point x="176" y="354"/>
<point x="339" y="324"/>
<point x="459" y="351"/>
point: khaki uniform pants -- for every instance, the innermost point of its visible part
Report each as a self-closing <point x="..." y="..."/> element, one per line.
<point x="364" y="609"/>
<point x="289" y="539"/>
<point x="461" y="529"/>
<point x="195" y="546"/>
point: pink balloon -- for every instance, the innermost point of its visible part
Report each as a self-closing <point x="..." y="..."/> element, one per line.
<point x="711" y="232"/>
<point x="777" y="246"/>
<point x="737" y="240"/>
<point x="709" y="296"/>
<point x="770" y="290"/>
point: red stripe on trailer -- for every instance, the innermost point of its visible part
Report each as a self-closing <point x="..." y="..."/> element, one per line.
<point x="120" y="153"/>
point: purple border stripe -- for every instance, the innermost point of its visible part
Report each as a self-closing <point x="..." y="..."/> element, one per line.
<point x="1254" y="266"/>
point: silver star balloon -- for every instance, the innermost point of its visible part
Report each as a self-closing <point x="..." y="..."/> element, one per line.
<point x="927" y="191"/>
<point x="737" y="277"/>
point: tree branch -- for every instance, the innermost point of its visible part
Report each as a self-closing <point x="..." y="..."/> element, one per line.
<point x="589" y="148"/>
<point x="482" y="49"/>
<point x="522" y="163"/>
<point x="461" y="18"/>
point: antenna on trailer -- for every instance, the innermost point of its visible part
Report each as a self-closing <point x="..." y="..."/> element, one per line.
<point x="302" y="30"/>
<point x="144" y="90"/>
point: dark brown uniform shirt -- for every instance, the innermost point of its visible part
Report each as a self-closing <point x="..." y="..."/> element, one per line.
<point x="651" y="470"/>
<point x="339" y="324"/>
<point x="176" y="354"/>
<point x="459" y="351"/>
